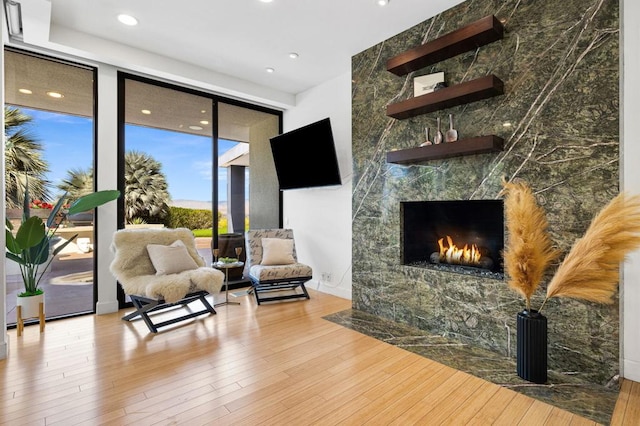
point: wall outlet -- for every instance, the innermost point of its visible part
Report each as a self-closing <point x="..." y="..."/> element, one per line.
<point x="326" y="277"/>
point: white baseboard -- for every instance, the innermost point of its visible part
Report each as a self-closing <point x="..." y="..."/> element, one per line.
<point x="631" y="370"/>
<point x="107" y="307"/>
<point x="344" y="293"/>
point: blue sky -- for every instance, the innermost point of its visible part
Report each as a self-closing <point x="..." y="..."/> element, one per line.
<point x="186" y="159"/>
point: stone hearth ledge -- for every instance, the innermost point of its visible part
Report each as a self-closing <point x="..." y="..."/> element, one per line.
<point x="562" y="390"/>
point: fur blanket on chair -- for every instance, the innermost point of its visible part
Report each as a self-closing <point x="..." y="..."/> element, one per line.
<point x="132" y="266"/>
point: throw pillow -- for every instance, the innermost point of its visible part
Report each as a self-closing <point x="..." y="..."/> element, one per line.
<point x="277" y="251"/>
<point x="170" y="259"/>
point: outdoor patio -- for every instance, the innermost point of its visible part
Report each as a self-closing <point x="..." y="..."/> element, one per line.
<point x="68" y="285"/>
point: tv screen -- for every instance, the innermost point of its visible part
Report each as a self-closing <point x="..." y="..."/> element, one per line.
<point x="306" y="157"/>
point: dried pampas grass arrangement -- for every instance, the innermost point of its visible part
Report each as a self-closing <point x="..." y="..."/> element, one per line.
<point x="591" y="269"/>
<point x="529" y="250"/>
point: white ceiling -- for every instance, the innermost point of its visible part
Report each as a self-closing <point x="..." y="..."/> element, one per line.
<point x="225" y="45"/>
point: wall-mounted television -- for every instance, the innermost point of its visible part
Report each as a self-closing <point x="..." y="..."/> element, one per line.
<point x="306" y="157"/>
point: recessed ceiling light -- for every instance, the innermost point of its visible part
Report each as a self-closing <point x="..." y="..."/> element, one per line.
<point x="203" y="111"/>
<point x="145" y="111"/>
<point x="269" y="69"/>
<point x="127" y="19"/>
<point x="195" y="127"/>
<point x="293" y="55"/>
<point x="205" y="122"/>
<point x="25" y="91"/>
<point x="55" y="95"/>
<point x="266" y="1"/>
<point x="383" y="2"/>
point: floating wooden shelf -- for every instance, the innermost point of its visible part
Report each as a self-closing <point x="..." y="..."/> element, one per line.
<point x="463" y="93"/>
<point x="472" y="36"/>
<point x="477" y="145"/>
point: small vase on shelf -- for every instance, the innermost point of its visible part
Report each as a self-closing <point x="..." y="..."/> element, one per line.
<point x="437" y="138"/>
<point x="427" y="141"/>
<point x="452" y="134"/>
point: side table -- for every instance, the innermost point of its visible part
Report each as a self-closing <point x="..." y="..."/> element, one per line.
<point x="226" y="267"/>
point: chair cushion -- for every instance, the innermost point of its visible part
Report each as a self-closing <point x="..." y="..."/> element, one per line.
<point x="277" y="251"/>
<point x="171" y="259"/>
<point x="280" y="272"/>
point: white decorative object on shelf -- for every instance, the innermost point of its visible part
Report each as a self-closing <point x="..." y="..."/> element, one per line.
<point x="452" y="134"/>
<point x="427" y="83"/>
<point x="437" y="138"/>
<point x="427" y="141"/>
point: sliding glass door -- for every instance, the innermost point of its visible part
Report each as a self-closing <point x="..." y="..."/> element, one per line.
<point x="184" y="161"/>
<point x="49" y="143"/>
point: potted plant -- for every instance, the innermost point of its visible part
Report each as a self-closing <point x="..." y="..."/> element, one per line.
<point x="30" y="245"/>
<point x="589" y="272"/>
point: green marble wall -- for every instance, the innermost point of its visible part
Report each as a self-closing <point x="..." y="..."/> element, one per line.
<point x="559" y="63"/>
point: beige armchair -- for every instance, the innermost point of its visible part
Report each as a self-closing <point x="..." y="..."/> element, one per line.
<point x="274" y="267"/>
<point x="160" y="268"/>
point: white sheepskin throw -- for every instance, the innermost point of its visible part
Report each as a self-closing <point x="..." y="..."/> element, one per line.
<point x="132" y="266"/>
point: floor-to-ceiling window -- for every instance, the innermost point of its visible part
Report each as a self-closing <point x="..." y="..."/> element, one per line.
<point x="49" y="143"/>
<point x="184" y="160"/>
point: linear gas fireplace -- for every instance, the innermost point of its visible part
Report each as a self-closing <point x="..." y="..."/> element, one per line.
<point x="465" y="236"/>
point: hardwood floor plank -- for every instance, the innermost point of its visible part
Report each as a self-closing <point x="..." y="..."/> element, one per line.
<point x="632" y="412"/>
<point x="381" y="398"/>
<point x="338" y="392"/>
<point x="494" y="407"/>
<point x="537" y="414"/>
<point x="514" y="411"/>
<point x="405" y="402"/>
<point x="474" y="403"/>
<point x="438" y="409"/>
<point x="558" y="417"/>
<point x="581" y="421"/>
<point x="436" y="397"/>
<point x="274" y="364"/>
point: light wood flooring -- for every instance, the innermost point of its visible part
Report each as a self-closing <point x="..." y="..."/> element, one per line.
<point x="274" y="364"/>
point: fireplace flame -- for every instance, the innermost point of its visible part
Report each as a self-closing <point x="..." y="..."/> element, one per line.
<point x="467" y="255"/>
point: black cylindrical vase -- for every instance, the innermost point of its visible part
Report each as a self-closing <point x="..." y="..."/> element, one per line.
<point x="532" y="346"/>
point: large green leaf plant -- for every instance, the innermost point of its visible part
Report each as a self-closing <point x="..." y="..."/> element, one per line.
<point x="30" y="245"/>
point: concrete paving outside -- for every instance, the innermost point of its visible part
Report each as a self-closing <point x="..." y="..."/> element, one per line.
<point x="68" y="284"/>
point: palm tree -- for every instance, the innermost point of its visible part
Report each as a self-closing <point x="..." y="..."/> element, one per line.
<point x="23" y="156"/>
<point x="146" y="194"/>
<point x="78" y="183"/>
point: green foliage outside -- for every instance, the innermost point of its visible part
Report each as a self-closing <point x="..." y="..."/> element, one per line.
<point x="146" y="191"/>
<point x="208" y="233"/>
<point x="23" y="160"/>
<point x="180" y="217"/>
<point x="202" y="232"/>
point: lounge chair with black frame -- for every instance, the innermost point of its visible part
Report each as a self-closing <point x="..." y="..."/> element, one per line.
<point x="160" y="268"/>
<point x="274" y="267"/>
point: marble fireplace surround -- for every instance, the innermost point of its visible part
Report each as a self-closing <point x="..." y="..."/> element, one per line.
<point x="559" y="120"/>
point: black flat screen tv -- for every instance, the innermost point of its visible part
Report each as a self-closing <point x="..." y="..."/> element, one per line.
<point x="306" y="157"/>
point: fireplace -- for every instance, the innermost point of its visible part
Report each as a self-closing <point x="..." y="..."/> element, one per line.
<point x="465" y="236"/>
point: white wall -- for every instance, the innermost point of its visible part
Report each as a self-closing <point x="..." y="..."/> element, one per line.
<point x="630" y="130"/>
<point x="321" y="217"/>
<point x="106" y="178"/>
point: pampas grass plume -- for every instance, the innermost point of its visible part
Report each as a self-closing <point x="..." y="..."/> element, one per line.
<point x="529" y="249"/>
<point x="591" y="269"/>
